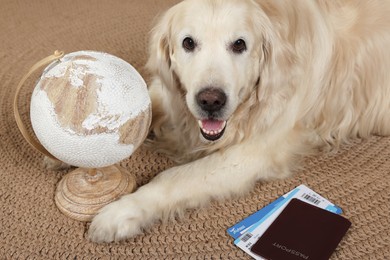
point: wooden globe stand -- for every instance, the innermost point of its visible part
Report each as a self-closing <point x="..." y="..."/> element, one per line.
<point x="83" y="192"/>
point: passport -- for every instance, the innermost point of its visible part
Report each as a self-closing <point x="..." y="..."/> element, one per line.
<point x="302" y="231"/>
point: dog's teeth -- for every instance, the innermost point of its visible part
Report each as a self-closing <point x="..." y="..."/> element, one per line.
<point x="211" y="132"/>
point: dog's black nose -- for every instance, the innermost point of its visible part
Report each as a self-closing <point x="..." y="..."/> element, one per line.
<point x="211" y="99"/>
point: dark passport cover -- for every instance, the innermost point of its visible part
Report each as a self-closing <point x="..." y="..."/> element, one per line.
<point x="302" y="231"/>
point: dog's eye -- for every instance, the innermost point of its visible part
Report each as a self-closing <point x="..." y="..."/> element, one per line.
<point x="239" y="46"/>
<point x="189" y="44"/>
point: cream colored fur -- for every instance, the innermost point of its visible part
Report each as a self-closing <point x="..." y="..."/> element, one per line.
<point x="315" y="74"/>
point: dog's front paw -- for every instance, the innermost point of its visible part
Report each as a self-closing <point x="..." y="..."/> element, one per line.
<point x="119" y="220"/>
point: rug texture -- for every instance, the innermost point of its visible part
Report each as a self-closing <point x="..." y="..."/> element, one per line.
<point x="357" y="177"/>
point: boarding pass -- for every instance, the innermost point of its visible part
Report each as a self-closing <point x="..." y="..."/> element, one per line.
<point x="249" y="230"/>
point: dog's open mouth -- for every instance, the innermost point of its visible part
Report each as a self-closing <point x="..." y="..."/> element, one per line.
<point x="212" y="129"/>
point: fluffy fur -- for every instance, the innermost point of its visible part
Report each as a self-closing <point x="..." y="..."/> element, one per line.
<point x="313" y="75"/>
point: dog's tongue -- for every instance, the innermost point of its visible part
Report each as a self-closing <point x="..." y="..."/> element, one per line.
<point x="212" y="129"/>
<point x="212" y="125"/>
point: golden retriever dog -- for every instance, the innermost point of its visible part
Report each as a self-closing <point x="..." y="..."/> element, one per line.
<point x="242" y="89"/>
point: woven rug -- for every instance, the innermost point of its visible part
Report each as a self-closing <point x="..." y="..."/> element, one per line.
<point x="357" y="178"/>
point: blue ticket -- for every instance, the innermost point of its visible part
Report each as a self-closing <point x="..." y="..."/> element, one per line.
<point x="244" y="225"/>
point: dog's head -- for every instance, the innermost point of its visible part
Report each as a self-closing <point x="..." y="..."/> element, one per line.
<point x="210" y="52"/>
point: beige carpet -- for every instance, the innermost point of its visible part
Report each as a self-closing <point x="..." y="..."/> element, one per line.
<point x="357" y="178"/>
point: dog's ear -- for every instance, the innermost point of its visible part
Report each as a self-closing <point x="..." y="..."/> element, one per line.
<point x="159" y="62"/>
<point x="276" y="59"/>
<point x="266" y="49"/>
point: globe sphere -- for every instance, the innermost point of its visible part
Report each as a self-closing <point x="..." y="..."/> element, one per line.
<point x="90" y="109"/>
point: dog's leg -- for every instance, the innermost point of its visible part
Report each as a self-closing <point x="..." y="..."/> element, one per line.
<point x="216" y="176"/>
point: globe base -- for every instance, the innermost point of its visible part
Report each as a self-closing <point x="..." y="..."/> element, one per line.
<point x="83" y="192"/>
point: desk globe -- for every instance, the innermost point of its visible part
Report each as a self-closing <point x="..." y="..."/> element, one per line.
<point x="90" y="110"/>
